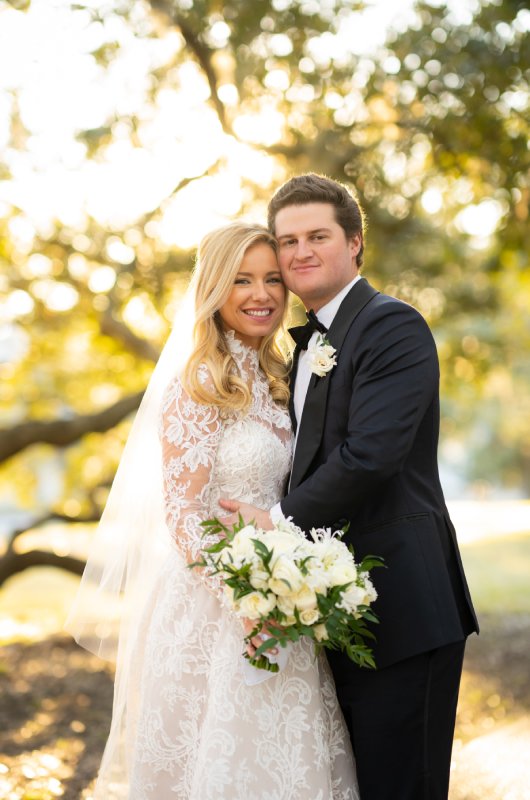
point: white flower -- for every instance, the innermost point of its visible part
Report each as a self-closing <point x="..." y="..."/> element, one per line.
<point x="321" y="356"/>
<point x="316" y="578"/>
<point x="286" y="578"/>
<point x="341" y="572"/>
<point x="310" y="616"/>
<point x="352" y="598"/>
<point x="256" y="605"/>
<point x="358" y="595"/>
<point x="259" y="578"/>
<point x="229" y="595"/>
<point x="241" y="549"/>
<point x="371" y="594"/>
<point x="328" y="547"/>
<point x="329" y="551"/>
<point x="286" y="606"/>
<point x="305" y="599"/>
<point x="287" y="526"/>
<point x="321" y="633"/>
<point x="242" y="545"/>
<point x="282" y="543"/>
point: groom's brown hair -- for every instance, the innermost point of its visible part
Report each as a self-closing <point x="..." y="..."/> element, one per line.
<point x="313" y="188"/>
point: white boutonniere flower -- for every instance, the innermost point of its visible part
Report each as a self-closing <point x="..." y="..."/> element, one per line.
<point x="321" y="356"/>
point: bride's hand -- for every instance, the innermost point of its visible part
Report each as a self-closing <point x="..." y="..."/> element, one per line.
<point x="249" y="513"/>
<point x="256" y="641"/>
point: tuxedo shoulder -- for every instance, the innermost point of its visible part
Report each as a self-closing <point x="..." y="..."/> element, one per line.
<point x="388" y="319"/>
<point x="384" y="305"/>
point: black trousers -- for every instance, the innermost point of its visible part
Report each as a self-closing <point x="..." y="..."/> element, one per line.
<point x="401" y="721"/>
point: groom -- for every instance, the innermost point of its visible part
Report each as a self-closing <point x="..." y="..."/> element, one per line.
<point x="366" y="453"/>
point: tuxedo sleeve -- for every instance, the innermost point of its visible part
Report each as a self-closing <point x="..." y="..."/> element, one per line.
<point x="395" y="381"/>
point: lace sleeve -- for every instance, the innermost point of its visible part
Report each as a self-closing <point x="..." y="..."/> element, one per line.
<point x="190" y="434"/>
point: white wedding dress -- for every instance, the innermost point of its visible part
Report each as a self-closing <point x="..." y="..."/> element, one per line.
<point x="193" y="729"/>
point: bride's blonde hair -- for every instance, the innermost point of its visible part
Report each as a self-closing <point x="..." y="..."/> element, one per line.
<point x="218" y="261"/>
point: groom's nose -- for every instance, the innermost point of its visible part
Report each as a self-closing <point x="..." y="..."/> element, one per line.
<point x="303" y="249"/>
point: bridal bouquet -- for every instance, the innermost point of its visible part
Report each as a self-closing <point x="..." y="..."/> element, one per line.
<point x="293" y="586"/>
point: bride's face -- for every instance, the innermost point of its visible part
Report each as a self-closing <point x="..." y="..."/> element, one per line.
<point x="255" y="305"/>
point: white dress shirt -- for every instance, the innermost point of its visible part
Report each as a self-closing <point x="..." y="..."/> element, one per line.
<point x="326" y="315"/>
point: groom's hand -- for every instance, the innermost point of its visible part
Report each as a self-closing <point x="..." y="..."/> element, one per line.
<point x="249" y="513"/>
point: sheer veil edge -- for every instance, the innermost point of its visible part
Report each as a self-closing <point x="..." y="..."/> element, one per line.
<point x="131" y="541"/>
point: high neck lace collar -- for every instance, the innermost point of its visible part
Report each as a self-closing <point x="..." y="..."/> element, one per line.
<point x="240" y="351"/>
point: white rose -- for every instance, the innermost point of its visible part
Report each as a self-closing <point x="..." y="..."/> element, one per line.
<point x="242" y="545"/>
<point x="321" y="358"/>
<point x="353" y="597"/>
<point x="286" y="577"/>
<point x="286" y="606"/>
<point x="310" y="616"/>
<point x="305" y="599"/>
<point x="249" y="531"/>
<point x="281" y="543"/>
<point x="341" y="572"/>
<point x="259" y="578"/>
<point x="256" y="605"/>
<point x="321" y="633"/>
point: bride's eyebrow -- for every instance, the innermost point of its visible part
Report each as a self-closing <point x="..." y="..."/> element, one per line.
<point x="251" y="274"/>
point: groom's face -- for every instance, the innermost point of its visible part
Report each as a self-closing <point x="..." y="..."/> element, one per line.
<point x="316" y="259"/>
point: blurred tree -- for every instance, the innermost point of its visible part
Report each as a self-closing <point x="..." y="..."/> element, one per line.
<point x="432" y="131"/>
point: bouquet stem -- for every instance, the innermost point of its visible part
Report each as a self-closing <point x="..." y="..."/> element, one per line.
<point x="262" y="662"/>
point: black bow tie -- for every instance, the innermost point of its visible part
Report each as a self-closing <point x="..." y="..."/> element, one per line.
<point x="303" y="333"/>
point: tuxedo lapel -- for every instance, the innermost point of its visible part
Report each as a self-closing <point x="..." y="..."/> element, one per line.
<point x="292" y="379"/>
<point x="314" y="413"/>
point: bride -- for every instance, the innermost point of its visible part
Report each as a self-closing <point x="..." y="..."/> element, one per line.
<point x="186" y="724"/>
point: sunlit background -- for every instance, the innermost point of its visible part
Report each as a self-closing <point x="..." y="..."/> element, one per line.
<point x="128" y="130"/>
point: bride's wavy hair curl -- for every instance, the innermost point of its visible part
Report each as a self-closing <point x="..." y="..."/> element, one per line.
<point x="218" y="261"/>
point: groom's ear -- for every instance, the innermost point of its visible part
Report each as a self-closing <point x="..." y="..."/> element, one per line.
<point x="355" y="244"/>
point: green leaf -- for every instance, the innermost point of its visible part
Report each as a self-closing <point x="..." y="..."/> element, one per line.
<point x="268" y="644"/>
<point x="370" y="562"/>
<point x="263" y="551"/>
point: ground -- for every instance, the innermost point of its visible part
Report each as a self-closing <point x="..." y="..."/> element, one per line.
<point x="56" y="702"/>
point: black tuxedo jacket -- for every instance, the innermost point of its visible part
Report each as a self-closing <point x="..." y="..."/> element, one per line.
<point x="367" y="454"/>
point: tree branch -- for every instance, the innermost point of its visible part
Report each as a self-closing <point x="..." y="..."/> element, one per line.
<point x="13" y="563"/>
<point x="110" y="326"/>
<point x="203" y="55"/>
<point x="51" y="517"/>
<point x="62" y="432"/>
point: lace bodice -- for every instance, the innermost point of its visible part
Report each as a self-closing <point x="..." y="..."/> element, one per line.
<point x="207" y="455"/>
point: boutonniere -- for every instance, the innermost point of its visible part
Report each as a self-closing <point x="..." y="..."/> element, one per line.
<point x="321" y="356"/>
